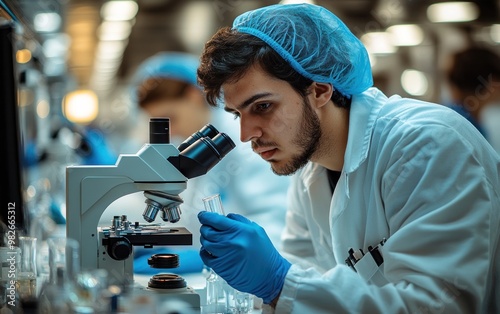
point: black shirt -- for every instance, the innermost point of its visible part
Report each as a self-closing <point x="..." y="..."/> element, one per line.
<point x="333" y="178"/>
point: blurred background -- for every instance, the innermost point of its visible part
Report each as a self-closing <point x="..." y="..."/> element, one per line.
<point x="73" y="61"/>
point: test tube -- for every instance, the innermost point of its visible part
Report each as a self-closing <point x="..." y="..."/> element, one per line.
<point x="216" y="298"/>
<point x="214" y="204"/>
<point x="221" y="297"/>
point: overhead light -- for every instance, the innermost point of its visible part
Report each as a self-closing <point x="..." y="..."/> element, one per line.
<point x="113" y="48"/>
<point x="47" y="22"/>
<point x="378" y="43"/>
<point x="196" y="25"/>
<point x="43" y="109"/>
<point x="23" y="56"/>
<point x="81" y="106"/>
<point x="406" y="35"/>
<point x="56" y="46"/>
<point x="495" y="33"/>
<point x="453" y="12"/>
<point x="414" y="82"/>
<point x="123" y="10"/>
<point x="114" y="30"/>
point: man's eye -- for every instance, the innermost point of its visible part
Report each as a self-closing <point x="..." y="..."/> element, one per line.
<point x="262" y="107"/>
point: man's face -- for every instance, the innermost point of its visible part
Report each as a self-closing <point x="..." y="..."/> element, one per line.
<point x="281" y="124"/>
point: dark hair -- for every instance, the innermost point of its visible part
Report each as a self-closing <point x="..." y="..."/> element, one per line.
<point x="229" y="54"/>
<point x="472" y="64"/>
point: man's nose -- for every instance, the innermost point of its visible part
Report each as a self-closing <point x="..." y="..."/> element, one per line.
<point x="249" y="129"/>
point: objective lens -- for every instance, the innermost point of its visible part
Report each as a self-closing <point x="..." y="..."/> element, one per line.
<point x="151" y="210"/>
<point x="172" y="214"/>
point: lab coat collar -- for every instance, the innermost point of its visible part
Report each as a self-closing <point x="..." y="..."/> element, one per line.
<point x="363" y="113"/>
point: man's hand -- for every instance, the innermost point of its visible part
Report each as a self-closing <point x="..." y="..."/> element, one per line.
<point x="240" y="251"/>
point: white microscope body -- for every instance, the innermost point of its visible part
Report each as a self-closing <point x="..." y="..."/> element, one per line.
<point x="160" y="170"/>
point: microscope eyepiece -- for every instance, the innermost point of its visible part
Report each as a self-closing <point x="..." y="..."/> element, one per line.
<point x="223" y="143"/>
<point x="159" y="131"/>
<point x="202" y="154"/>
<point x="207" y="131"/>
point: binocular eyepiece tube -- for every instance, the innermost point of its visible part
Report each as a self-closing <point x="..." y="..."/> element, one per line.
<point x="197" y="155"/>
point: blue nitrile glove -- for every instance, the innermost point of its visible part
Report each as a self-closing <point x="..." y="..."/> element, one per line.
<point x="240" y="251"/>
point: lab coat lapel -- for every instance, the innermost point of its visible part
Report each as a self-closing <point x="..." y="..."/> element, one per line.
<point x="320" y="198"/>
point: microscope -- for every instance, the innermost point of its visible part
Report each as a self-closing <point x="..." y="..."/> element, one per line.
<point x="160" y="171"/>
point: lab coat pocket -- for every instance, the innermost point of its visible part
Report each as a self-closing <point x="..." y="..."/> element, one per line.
<point x="370" y="271"/>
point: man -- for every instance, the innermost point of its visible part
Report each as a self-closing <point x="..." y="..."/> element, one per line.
<point x="394" y="203"/>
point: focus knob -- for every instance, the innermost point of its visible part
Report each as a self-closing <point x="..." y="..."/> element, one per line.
<point x="119" y="249"/>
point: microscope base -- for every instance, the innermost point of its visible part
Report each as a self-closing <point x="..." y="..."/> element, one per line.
<point x="187" y="297"/>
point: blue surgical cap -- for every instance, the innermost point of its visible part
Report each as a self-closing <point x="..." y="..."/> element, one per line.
<point x="315" y="42"/>
<point x="170" y="65"/>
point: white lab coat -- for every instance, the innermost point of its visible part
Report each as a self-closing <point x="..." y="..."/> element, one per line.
<point x="418" y="175"/>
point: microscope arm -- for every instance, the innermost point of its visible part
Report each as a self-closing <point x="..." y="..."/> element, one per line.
<point x="91" y="189"/>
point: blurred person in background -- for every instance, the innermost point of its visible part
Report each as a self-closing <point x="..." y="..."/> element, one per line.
<point x="165" y="86"/>
<point x="473" y="77"/>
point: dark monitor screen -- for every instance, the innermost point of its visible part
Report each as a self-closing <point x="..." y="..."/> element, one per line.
<point x="12" y="213"/>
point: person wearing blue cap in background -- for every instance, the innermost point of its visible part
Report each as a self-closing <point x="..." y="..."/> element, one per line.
<point x="394" y="204"/>
<point x="472" y="75"/>
<point x="165" y="86"/>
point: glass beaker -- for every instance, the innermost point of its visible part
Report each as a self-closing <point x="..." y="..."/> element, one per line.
<point x="64" y="259"/>
<point x="26" y="277"/>
<point x="58" y="295"/>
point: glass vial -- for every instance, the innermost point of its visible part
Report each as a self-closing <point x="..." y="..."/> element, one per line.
<point x="214" y="204"/>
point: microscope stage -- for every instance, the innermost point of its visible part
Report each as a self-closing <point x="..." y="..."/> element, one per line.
<point x="149" y="236"/>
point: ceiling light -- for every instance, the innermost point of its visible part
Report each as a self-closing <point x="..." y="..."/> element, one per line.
<point x="115" y="30"/>
<point x="43" y="109"/>
<point x="119" y="10"/>
<point x="495" y="33"/>
<point x="196" y="25"/>
<point x="23" y="56"/>
<point x="378" y="43"/>
<point x="406" y="35"/>
<point x="56" y="46"/>
<point x="453" y="12"/>
<point x="47" y="22"/>
<point x="81" y="106"/>
<point x="414" y="82"/>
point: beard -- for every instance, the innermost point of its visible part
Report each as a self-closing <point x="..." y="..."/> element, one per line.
<point x="307" y="137"/>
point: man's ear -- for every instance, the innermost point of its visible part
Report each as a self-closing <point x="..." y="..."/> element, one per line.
<point x="320" y="94"/>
